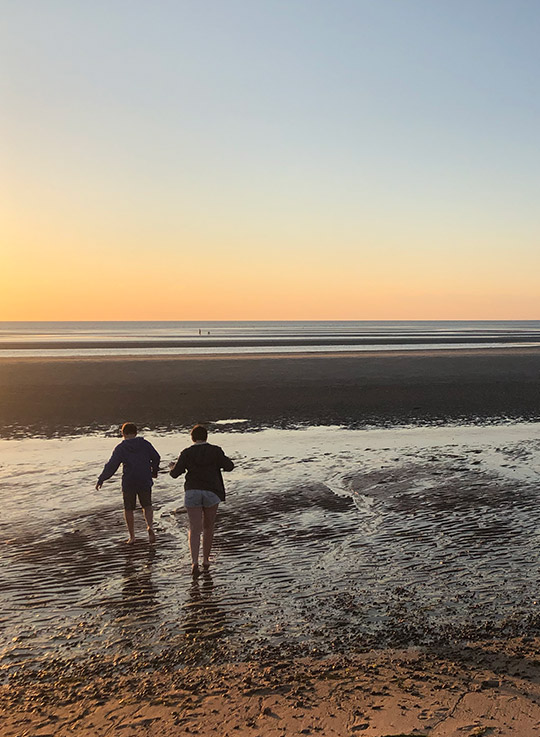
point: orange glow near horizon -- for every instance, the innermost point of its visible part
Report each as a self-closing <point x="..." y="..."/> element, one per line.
<point x="57" y="269"/>
<point x="94" y="288"/>
<point x="262" y="162"/>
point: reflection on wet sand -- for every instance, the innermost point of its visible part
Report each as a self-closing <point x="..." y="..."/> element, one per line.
<point x="139" y="593"/>
<point x="202" y="614"/>
<point x="331" y="539"/>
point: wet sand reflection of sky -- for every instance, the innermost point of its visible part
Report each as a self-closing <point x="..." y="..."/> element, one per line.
<point x="329" y="537"/>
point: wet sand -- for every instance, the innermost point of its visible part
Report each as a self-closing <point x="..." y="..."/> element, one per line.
<point x="482" y="689"/>
<point x="330" y="538"/>
<point x="275" y="344"/>
<point x="404" y="602"/>
<point x="375" y="581"/>
<point x="67" y="395"/>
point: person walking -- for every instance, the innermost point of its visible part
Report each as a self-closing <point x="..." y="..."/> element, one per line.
<point x="204" y="490"/>
<point x="140" y="461"/>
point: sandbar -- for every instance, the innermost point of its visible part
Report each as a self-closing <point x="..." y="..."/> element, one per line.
<point x="57" y="395"/>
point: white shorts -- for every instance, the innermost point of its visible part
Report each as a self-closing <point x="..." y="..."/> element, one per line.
<point x="200" y="498"/>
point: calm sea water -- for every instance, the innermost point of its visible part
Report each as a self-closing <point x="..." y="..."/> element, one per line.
<point x="189" y="337"/>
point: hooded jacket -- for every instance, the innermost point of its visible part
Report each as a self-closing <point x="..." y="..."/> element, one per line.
<point x="202" y="463"/>
<point x="140" y="462"/>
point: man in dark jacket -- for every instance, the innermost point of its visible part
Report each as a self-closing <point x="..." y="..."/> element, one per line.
<point x="140" y="465"/>
<point x="204" y="490"/>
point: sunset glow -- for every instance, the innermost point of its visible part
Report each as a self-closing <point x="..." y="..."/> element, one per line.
<point x="270" y="161"/>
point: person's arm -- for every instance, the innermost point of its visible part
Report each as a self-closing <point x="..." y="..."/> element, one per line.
<point x="110" y="468"/>
<point x="154" y="460"/>
<point x="178" y="468"/>
<point x="224" y="462"/>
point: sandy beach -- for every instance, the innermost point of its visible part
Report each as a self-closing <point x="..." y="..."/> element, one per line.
<point x="375" y="565"/>
<point x="67" y="395"/>
<point x="481" y="689"/>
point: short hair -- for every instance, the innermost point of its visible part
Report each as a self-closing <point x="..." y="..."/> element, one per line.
<point x="199" y="432"/>
<point x="129" y="428"/>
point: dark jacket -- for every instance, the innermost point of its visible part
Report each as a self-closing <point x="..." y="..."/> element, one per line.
<point x="140" y="460"/>
<point x="203" y="463"/>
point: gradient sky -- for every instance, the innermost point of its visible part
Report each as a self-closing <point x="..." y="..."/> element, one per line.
<point x="270" y="159"/>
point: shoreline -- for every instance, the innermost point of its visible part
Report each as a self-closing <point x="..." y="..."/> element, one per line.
<point x="208" y="342"/>
<point x="378" y="352"/>
<point x="438" y="688"/>
<point x="376" y="388"/>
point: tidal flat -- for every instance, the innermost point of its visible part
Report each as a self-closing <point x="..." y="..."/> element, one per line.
<point x="333" y="543"/>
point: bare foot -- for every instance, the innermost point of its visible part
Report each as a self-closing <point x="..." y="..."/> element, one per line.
<point x="195" y="572"/>
<point x="130" y="541"/>
<point x="206" y="565"/>
<point x="151" y="537"/>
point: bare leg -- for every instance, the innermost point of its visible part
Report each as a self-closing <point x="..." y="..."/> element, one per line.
<point x="149" y="517"/>
<point x="208" y="531"/>
<point x="130" y="522"/>
<point x="195" y="516"/>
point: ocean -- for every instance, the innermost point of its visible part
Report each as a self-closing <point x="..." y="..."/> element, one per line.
<point x="234" y="337"/>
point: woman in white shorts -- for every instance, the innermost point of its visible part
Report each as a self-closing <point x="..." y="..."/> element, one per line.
<point x="204" y="490"/>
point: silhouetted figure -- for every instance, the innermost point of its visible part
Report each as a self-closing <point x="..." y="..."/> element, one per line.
<point x="204" y="490"/>
<point x="140" y="462"/>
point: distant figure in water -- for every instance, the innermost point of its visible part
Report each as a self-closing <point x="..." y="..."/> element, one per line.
<point x="140" y="465"/>
<point x="204" y="490"/>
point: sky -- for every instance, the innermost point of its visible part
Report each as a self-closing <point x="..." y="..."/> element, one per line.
<point x="269" y="159"/>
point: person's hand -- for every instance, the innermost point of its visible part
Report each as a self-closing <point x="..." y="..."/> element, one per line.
<point x="98" y="486"/>
<point x="172" y="464"/>
<point x="155" y="475"/>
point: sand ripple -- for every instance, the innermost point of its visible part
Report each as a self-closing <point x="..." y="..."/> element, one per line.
<point x="331" y="539"/>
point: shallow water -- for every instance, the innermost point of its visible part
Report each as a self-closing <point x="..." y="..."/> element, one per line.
<point x="330" y="539"/>
<point x="170" y="338"/>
